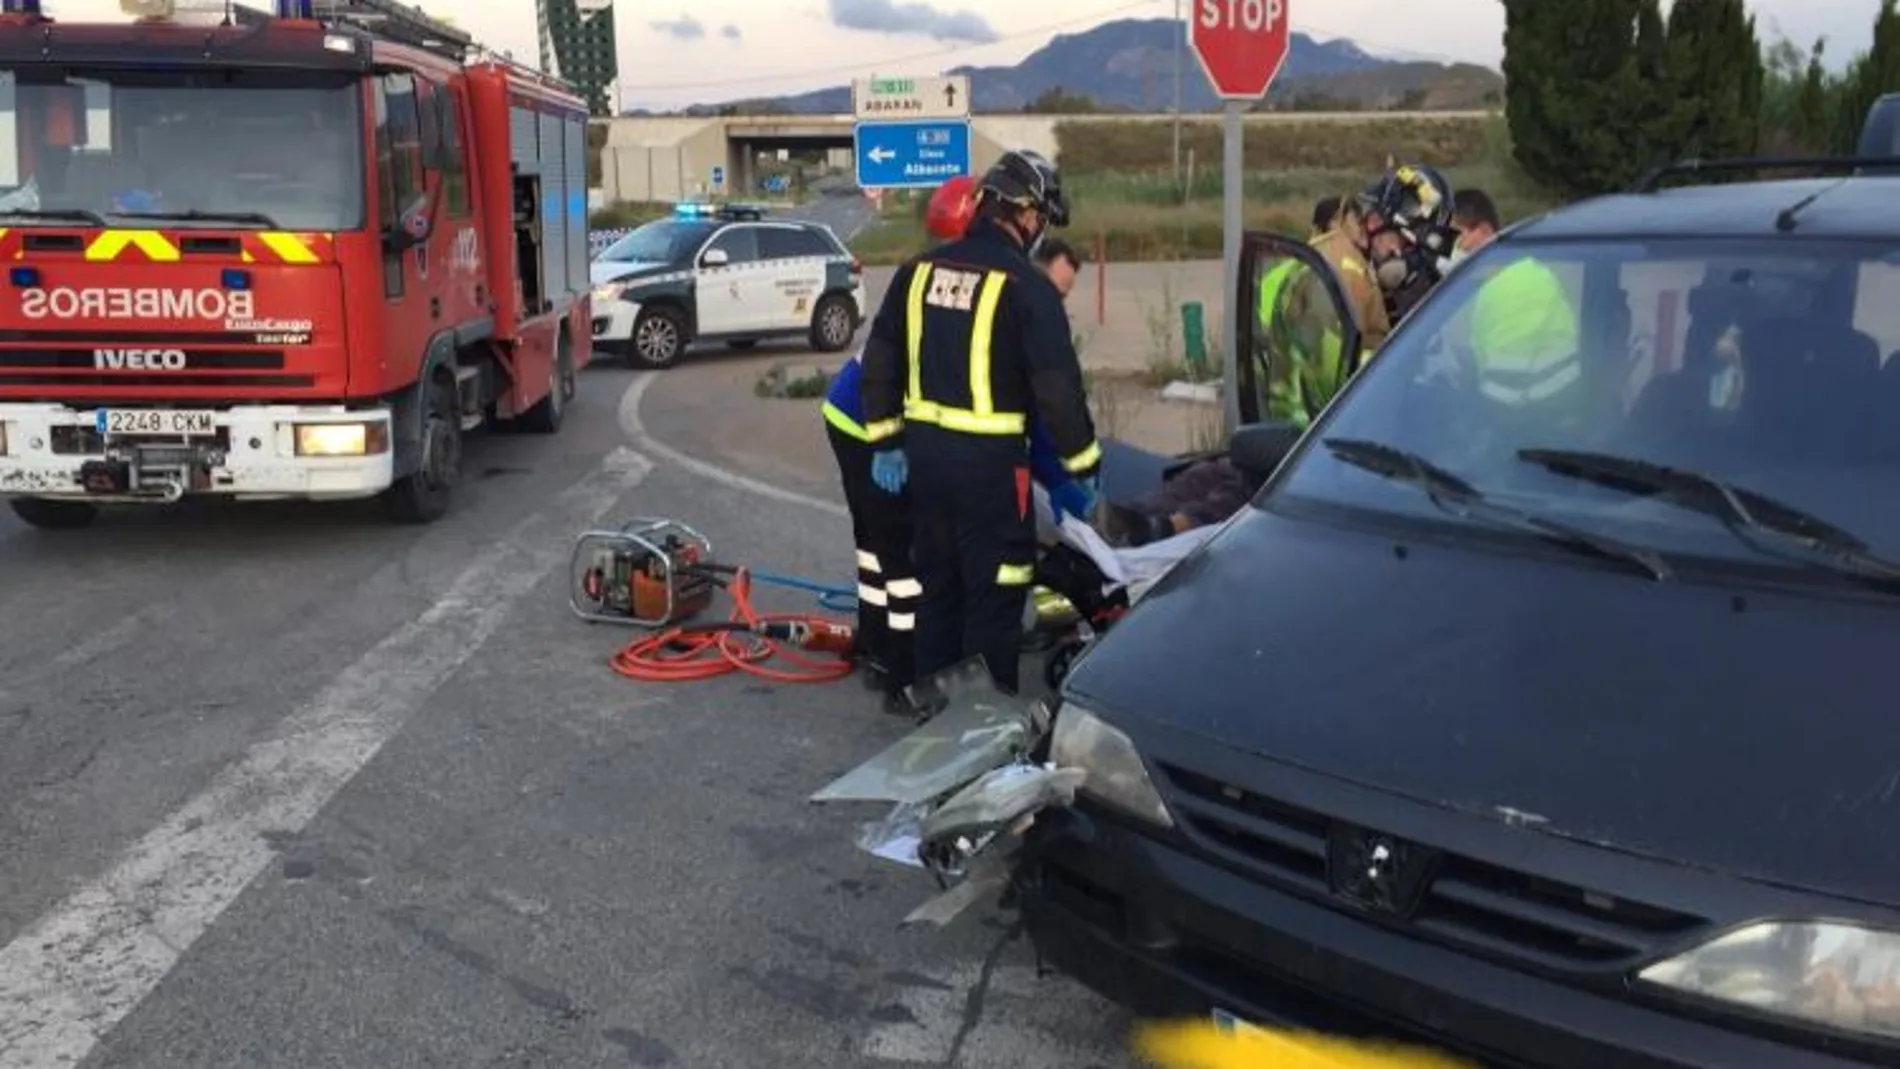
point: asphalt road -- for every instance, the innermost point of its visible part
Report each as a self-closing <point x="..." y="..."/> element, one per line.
<point x="290" y="786"/>
<point x="841" y="206"/>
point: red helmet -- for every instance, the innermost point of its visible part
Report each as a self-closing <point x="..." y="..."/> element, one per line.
<point x="951" y="208"/>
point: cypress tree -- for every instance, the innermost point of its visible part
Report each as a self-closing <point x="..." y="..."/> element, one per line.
<point x="1714" y="77"/>
<point x="1876" y="72"/>
<point x="1571" y="79"/>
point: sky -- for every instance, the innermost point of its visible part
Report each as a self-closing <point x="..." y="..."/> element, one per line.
<point x="678" y="52"/>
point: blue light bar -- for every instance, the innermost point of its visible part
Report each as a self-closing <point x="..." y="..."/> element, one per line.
<point x="688" y="209"/>
<point x="294" y="9"/>
<point x="20" y="7"/>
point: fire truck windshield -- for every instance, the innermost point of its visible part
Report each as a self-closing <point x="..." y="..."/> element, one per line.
<point x="197" y="149"/>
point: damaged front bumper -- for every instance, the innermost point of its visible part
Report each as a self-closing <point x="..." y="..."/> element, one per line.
<point x="964" y="787"/>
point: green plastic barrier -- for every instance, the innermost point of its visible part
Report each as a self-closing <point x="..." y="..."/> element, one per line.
<point x="1194" y="336"/>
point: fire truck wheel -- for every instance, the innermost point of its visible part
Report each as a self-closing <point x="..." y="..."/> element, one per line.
<point x="659" y="338"/>
<point x="831" y="327"/>
<point x="54" y="515"/>
<point x="424" y="495"/>
<point x="547" y="417"/>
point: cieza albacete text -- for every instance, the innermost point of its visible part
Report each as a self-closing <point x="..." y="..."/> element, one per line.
<point x="139" y="359"/>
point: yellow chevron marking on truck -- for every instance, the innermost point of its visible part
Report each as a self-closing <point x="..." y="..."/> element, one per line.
<point x="111" y="244"/>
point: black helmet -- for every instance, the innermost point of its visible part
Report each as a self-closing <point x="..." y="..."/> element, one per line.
<point x="1028" y="180"/>
<point x="1415" y="201"/>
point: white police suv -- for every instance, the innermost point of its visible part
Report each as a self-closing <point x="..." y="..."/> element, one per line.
<point x="724" y="273"/>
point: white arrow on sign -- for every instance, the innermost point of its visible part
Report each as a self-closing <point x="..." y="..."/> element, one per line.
<point x="879" y="155"/>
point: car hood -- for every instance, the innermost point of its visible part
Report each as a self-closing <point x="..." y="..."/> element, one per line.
<point x="605" y="271"/>
<point x="1746" y="730"/>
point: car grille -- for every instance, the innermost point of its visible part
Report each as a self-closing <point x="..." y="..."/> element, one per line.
<point x="1480" y="906"/>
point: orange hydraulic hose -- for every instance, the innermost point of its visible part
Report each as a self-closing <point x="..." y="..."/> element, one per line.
<point x="684" y="654"/>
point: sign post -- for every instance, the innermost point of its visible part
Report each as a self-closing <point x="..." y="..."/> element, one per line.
<point x="1241" y="46"/>
<point x="911" y="133"/>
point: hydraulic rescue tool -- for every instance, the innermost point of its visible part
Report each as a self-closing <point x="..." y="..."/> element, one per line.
<point x="648" y="572"/>
<point x="659" y="574"/>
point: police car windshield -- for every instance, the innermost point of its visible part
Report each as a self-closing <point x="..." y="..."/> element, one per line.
<point x="181" y="143"/>
<point x="663" y="241"/>
<point x="1768" y="366"/>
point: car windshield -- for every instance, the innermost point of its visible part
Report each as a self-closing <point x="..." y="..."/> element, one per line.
<point x="238" y="148"/>
<point x="662" y="241"/>
<point x="1763" y="368"/>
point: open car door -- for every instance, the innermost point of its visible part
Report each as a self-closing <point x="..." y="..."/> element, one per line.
<point x="1296" y="314"/>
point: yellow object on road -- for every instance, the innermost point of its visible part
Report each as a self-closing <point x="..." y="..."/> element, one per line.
<point x="1206" y="1045"/>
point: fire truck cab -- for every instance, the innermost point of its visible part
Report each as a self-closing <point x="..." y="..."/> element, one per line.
<point x="289" y="254"/>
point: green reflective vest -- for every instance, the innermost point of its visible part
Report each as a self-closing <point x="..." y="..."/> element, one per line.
<point x="1524" y="334"/>
<point x="1316" y="370"/>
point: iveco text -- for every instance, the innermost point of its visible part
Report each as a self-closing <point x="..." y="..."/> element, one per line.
<point x="139" y="359"/>
<point x="142" y="303"/>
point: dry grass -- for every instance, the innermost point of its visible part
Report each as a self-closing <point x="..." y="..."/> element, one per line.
<point x="1123" y="193"/>
<point x="1359" y="146"/>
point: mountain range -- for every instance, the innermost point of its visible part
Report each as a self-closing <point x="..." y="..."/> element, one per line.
<point x="1128" y="65"/>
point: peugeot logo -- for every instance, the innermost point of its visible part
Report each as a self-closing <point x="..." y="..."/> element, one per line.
<point x="1377" y="873"/>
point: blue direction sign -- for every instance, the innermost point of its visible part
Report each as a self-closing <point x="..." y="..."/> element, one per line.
<point x="915" y="154"/>
<point x="718" y="176"/>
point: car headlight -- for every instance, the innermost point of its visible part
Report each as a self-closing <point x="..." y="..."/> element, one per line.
<point x="1841" y="976"/>
<point x="1113" y="770"/>
<point x="609" y="292"/>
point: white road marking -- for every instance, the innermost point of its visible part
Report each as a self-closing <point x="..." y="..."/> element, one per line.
<point x="1026" y="1020"/>
<point x="79" y="970"/>
<point x="635" y="428"/>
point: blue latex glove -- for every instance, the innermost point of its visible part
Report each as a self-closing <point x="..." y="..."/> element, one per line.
<point x="1071" y="498"/>
<point x="890" y="470"/>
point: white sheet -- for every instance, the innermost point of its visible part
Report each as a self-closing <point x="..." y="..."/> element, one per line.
<point x="1122" y="567"/>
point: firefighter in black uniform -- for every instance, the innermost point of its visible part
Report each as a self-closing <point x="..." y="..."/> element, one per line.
<point x="971" y="342"/>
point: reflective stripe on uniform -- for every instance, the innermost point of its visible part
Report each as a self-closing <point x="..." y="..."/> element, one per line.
<point x="906" y="588"/>
<point x="845" y="424"/>
<point x="1542" y="385"/>
<point x="982" y="331"/>
<point x="1015" y="574"/>
<point x="981" y="417"/>
<point x="1084" y="460"/>
<point x="870" y="595"/>
<point x="868" y="561"/>
<point x="903" y="621"/>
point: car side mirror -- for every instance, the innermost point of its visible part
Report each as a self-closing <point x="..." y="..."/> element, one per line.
<point x="1258" y="448"/>
<point x="715" y="258"/>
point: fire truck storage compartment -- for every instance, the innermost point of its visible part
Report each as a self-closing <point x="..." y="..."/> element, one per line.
<point x="549" y="153"/>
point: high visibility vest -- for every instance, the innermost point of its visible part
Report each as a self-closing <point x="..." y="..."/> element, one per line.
<point x="981" y="417"/>
<point x="1524" y="334"/>
<point x="1312" y="378"/>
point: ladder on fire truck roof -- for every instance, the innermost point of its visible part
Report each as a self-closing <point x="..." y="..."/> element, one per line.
<point x="393" y="21"/>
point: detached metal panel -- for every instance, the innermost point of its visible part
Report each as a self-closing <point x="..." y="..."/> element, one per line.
<point x="577" y="201"/>
<point x="554" y="255"/>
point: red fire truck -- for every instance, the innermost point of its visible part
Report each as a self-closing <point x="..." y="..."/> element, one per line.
<point x="288" y="254"/>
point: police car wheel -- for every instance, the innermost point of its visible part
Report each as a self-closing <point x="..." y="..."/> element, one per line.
<point x="54" y="515"/>
<point x="831" y="326"/>
<point x="659" y="338"/>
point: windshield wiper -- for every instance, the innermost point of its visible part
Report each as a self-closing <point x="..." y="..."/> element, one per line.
<point x="196" y="216"/>
<point x="1456" y="497"/>
<point x="1753" y="518"/>
<point x="69" y="215"/>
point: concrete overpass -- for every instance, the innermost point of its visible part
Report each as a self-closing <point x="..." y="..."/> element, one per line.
<point x="648" y="159"/>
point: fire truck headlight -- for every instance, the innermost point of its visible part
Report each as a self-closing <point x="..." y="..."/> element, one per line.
<point x="337" y="42"/>
<point x="342" y="439"/>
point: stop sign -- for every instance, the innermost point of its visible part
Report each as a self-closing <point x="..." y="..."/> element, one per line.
<point x="1241" y="44"/>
